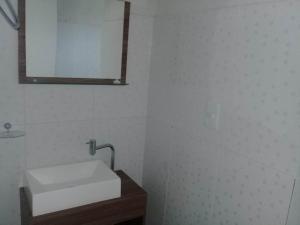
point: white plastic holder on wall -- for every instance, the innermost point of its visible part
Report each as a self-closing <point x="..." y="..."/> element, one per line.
<point x="212" y="116"/>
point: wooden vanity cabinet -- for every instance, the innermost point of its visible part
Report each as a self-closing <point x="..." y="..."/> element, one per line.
<point x="129" y="209"/>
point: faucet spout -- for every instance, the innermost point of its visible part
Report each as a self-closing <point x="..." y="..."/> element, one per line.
<point x="112" y="158"/>
<point x="94" y="148"/>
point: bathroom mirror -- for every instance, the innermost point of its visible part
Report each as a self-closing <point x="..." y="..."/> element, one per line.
<point x="73" y="41"/>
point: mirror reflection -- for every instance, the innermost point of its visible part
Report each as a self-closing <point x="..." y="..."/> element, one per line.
<point x="74" y="38"/>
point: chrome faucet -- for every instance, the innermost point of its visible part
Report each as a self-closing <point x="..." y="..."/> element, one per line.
<point x="94" y="148"/>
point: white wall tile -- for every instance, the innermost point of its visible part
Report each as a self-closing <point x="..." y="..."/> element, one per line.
<point x="249" y="193"/>
<point x="132" y="99"/>
<point x="11" y="166"/>
<point x="12" y="104"/>
<point x="156" y="169"/>
<point x="127" y="134"/>
<point x="58" y="103"/>
<point x="120" y="102"/>
<point x="144" y="7"/>
<point x="57" y="143"/>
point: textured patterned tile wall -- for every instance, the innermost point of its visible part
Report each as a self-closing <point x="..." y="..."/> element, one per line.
<point x="60" y="119"/>
<point x="235" y="167"/>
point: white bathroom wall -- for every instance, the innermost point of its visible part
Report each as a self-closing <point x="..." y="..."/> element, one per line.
<point x="222" y="133"/>
<point x="59" y="119"/>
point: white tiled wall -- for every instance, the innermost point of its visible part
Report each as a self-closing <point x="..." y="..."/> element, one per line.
<point x="59" y="120"/>
<point x="241" y="59"/>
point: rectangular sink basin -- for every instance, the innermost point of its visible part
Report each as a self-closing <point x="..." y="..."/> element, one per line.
<point x="62" y="187"/>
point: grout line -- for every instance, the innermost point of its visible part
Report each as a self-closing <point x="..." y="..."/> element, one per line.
<point x="248" y="4"/>
<point x="267" y="165"/>
<point x="166" y="192"/>
<point x="169" y="158"/>
<point x="94" y="111"/>
<point x="290" y="204"/>
<point x="217" y="171"/>
<point x="216" y="8"/>
<point x="240" y="154"/>
<point x="25" y="144"/>
<point x="76" y="120"/>
<point x="143" y="15"/>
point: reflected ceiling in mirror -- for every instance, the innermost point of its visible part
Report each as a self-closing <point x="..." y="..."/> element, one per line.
<point x="75" y="39"/>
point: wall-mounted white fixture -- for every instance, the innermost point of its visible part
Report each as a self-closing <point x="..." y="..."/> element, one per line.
<point x="212" y="116"/>
<point x="14" y="21"/>
<point x="11" y="134"/>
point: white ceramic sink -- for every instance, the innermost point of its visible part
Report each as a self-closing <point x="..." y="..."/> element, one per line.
<point x="62" y="187"/>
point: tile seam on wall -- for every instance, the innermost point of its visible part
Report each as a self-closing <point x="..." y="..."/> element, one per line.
<point x="219" y="8"/>
<point x="229" y="150"/>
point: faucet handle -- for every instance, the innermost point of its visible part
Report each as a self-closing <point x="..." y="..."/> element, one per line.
<point x="92" y="143"/>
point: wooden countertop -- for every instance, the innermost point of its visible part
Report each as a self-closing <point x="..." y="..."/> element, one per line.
<point x="131" y="205"/>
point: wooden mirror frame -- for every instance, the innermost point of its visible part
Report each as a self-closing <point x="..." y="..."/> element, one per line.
<point x="24" y="79"/>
